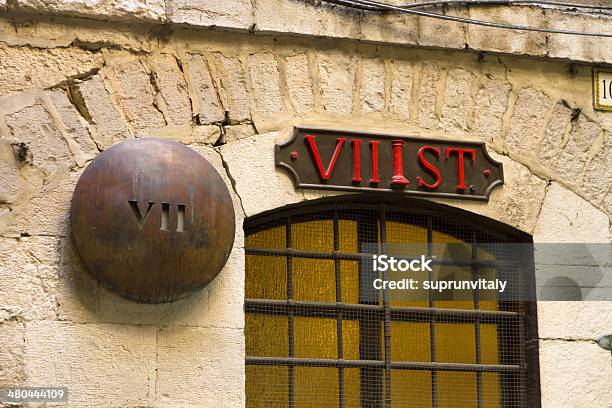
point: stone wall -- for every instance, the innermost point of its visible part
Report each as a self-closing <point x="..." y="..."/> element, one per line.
<point x="71" y="88"/>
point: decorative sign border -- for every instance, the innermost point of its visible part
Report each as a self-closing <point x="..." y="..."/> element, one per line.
<point x="325" y="159"/>
<point x="596" y="90"/>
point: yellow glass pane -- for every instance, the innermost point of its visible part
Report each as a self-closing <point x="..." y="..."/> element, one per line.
<point x="349" y="283"/>
<point x="489" y="347"/>
<point x="455" y="343"/>
<point x="457" y="249"/>
<point x="347" y="231"/>
<point x="315" y="338"/>
<point x="350" y="339"/>
<point x="406" y="239"/>
<point x="453" y="299"/>
<point x="411" y="389"/>
<point x="316" y="387"/>
<point x="315" y="236"/>
<point x="488" y="299"/>
<point x="270" y="238"/>
<point x="266" y="336"/>
<point x="456" y="389"/>
<point x="410" y="341"/>
<point x="490" y="390"/>
<point x="352" y="385"/>
<point x="265" y="277"/>
<point x="314" y="280"/>
<point x="266" y="386"/>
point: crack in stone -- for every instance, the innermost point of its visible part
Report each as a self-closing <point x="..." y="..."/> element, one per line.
<point x="231" y="178"/>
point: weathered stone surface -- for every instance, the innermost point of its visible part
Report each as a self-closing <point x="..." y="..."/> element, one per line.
<point x="30" y="293"/>
<point x="554" y="135"/>
<point x="458" y="101"/>
<point x="96" y="104"/>
<point x="509" y="41"/>
<point x="372" y="96"/>
<point x="308" y="18"/>
<point x="566" y="217"/>
<point x="575" y="153"/>
<point x="208" y="13"/>
<point x="402" y="77"/>
<point x="337" y="75"/>
<point x="253" y="159"/>
<point x="34" y="126"/>
<point x="200" y="364"/>
<point x="206" y="134"/>
<point x="265" y="81"/>
<point x="584" y="48"/>
<point x="529" y="113"/>
<point x="442" y="33"/>
<point x="97" y="362"/>
<point x="73" y="127"/>
<point x="234" y="94"/>
<point x="391" y="28"/>
<point x="172" y="88"/>
<point x="105" y="9"/>
<point x="12" y="353"/>
<point x="598" y="175"/>
<point x="574" y="374"/>
<point x="138" y="96"/>
<point x="38" y="68"/>
<point x="205" y="98"/>
<point x="490" y="105"/>
<point x="47" y="213"/>
<point x="10" y="174"/>
<point x="299" y="83"/>
<point x="237" y="132"/>
<point x="573" y="320"/>
<point x="427" y="96"/>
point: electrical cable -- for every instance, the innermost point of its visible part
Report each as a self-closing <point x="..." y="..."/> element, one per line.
<point x="368" y="5"/>
<point x="501" y="2"/>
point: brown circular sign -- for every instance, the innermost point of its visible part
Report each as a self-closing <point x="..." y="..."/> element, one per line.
<point x="152" y="220"/>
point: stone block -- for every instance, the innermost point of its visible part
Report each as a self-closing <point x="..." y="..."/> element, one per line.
<point x="96" y="105"/>
<point x="237" y="14"/>
<point x="204" y="96"/>
<point x="200" y="364"/>
<point x="428" y="95"/>
<point x="530" y="111"/>
<point x="507" y="41"/>
<point x="12" y="353"/>
<point x="583" y="48"/>
<point x="575" y="153"/>
<point x="458" y="101"/>
<point x="435" y="32"/>
<point x="173" y="98"/>
<point x="391" y="28"/>
<point x="31" y="68"/>
<point x="402" y="78"/>
<point x="137" y="95"/>
<point x="234" y="94"/>
<point x="34" y="126"/>
<point x="73" y="126"/>
<point x="574" y="374"/>
<point x="299" y="83"/>
<point x="337" y="79"/>
<point x="598" y="175"/>
<point x="237" y="132"/>
<point x="566" y="217"/>
<point x="206" y="134"/>
<point x="306" y="18"/>
<point x="490" y="104"/>
<point x="10" y="173"/>
<point x="265" y="82"/>
<point x="372" y="96"/>
<point x="574" y="320"/>
<point x="554" y="135"/>
<point x="97" y="362"/>
<point x="154" y="10"/>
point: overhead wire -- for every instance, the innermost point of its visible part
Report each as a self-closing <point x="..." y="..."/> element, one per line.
<point x="369" y="5"/>
<point x="502" y="2"/>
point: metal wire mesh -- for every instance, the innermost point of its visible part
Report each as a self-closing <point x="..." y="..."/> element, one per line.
<point x="319" y="335"/>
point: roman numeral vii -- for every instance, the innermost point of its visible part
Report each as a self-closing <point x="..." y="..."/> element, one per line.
<point x="165" y="215"/>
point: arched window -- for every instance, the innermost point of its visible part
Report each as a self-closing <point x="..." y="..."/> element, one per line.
<point x="318" y="334"/>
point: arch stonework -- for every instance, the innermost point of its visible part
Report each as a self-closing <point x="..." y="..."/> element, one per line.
<point x="74" y="88"/>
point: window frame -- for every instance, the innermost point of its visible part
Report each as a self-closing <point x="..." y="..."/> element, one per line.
<point x="379" y="206"/>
